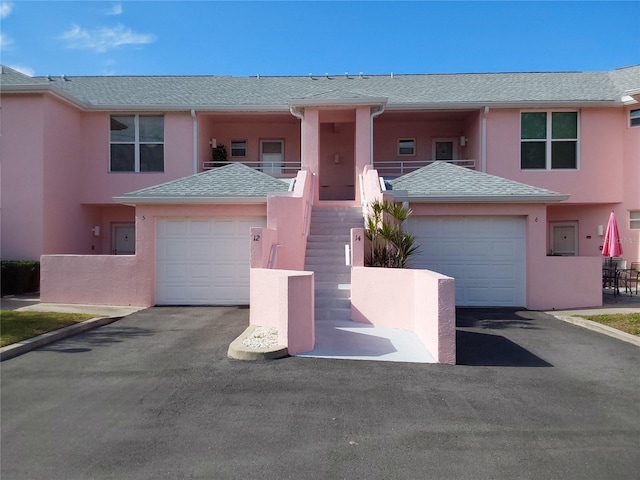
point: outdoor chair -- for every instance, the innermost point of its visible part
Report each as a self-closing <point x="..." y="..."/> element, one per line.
<point x="630" y="277"/>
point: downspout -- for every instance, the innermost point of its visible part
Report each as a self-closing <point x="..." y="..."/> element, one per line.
<point x="298" y="113"/>
<point x="195" y="140"/>
<point x="483" y="140"/>
<point x="376" y="110"/>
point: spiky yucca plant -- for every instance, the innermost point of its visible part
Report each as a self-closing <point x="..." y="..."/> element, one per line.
<point x="391" y="247"/>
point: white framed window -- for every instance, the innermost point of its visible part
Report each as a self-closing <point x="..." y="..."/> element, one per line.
<point x="549" y="140"/>
<point x="238" y="148"/>
<point x="136" y="143"/>
<point x="406" y="147"/>
<point x="634" y="118"/>
<point x="634" y="219"/>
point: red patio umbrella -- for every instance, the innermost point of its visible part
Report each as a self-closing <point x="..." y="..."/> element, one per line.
<point x="612" y="246"/>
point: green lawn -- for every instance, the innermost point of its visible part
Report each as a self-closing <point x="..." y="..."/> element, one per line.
<point x="18" y="326"/>
<point x="626" y="322"/>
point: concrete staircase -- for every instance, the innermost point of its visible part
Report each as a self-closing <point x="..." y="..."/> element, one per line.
<point x="329" y="233"/>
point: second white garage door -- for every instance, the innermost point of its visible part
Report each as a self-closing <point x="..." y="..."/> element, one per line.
<point x="485" y="255"/>
<point x="203" y="261"/>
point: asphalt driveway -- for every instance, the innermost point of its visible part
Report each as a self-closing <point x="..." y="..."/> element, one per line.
<point x="154" y="396"/>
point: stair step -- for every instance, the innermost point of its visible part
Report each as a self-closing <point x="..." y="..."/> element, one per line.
<point x="332" y="314"/>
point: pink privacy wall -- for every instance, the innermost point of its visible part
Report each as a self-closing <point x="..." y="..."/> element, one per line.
<point x="284" y="299"/>
<point x="95" y="280"/>
<point x="600" y="173"/>
<point x="21" y="150"/>
<point x="416" y="300"/>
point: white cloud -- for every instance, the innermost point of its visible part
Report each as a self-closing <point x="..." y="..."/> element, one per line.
<point x="5" y="9"/>
<point x="103" y="38"/>
<point x="115" y="10"/>
<point x="22" y="69"/>
<point x="5" y="41"/>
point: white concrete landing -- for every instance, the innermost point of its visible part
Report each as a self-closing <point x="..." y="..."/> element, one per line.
<point x="347" y="340"/>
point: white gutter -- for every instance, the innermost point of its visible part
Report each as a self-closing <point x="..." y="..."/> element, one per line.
<point x="483" y="198"/>
<point x="298" y="112"/>
<point x="483" y="140"/>
<point x="195" y="140"/>
<point x="188" y="200"/>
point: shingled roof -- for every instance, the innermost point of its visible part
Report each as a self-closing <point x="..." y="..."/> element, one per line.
<point x="235" y="183"/>
<point x="446" y="182"/>
<point x="277" y="93"/>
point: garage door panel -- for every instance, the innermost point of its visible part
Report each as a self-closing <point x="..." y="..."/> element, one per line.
<point x="485" y="255"/>
<point x="199" y="227"/>
<point x="203" y="261"/>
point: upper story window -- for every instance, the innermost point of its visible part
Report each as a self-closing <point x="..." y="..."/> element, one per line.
<point x="238" y="148"/>
<point x="407" y="146"/>
<point x="548" y="140"/>
<point x="137" y="143"/>
<point x="634" y="118"/>
<point x="634" y="219"/>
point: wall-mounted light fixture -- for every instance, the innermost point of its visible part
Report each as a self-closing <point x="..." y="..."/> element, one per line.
<point x="96" y="230"/>
<point x="600" y="230"/>
<point x="213" y="143"/>
<point x="463" y="140"/>
<point x="336" y="158"/>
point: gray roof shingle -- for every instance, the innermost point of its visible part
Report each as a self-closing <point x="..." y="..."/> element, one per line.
<point x="233" y="181"/>
<point x="220" y="92"/>
<point x="442" y="181"/>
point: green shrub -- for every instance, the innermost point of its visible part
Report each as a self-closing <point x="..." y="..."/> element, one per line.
<point x="19" y="276"/>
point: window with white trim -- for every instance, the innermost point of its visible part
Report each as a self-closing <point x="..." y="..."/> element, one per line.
<point x="407" y="146"/>
<point x="238" y="148"/>
<point x="634" y="219"/>
<point x="137" y="143"/>
<point x="634" y="118"/>
<point x="548" y="140"/>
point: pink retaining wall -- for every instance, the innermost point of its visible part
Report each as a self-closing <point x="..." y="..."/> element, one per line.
<point x="94" y="280"/>
<point x="565" y="282"/>
<point x="416" y="300"/>
<point x="284" y="299"/>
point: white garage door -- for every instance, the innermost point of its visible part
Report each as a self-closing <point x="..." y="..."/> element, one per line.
<point x="485" y="255"/>
<point x="203" y="261"/>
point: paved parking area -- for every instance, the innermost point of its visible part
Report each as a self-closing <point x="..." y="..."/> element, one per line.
<point x="154" y="396"/>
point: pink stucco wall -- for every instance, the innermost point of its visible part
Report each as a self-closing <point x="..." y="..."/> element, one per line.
<point x="95" y="280"/>
<point x="600" y="172"/>
<point x="22" y="153"/>
<point x="416" y="300"/>
<point x="252" y="128"/>
<point x="100" y="185"/>
<point x="284" y="299"/>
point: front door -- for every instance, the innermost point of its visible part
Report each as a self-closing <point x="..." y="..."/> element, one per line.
<point x="272" y="156"/>
<point x="445" y="149"/>
<point x="124" y="239"/>
<point x="564" y="238"/>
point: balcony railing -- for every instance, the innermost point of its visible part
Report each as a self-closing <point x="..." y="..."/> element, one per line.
<point x="400" y="167"/>
<point x="277" y="169"/>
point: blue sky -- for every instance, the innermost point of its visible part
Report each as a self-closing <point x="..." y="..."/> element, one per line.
<point x="302" y="37"/>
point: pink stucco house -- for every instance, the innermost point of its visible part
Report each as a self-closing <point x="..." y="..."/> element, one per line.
<point x="111" y="183"/>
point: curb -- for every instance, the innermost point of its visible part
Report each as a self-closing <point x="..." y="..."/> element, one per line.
<point x="15" y="349"/>
<point x="238" y="351"/>
<point x="598" y="327"/>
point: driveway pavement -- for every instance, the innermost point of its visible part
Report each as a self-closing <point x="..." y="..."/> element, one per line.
<point x="153" y="396"/>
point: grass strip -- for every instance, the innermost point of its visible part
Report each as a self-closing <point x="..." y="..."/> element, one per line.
<point x="625" y="322"/>
<point x="18" y="326"/>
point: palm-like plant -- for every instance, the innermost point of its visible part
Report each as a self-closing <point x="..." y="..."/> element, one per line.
<point x="390" y="245"/>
